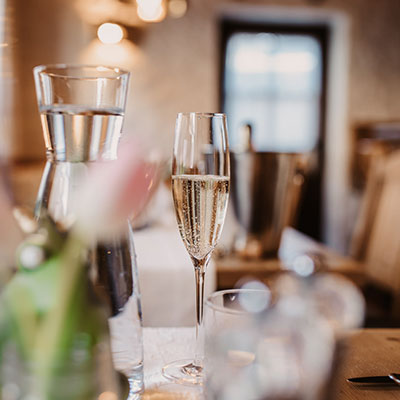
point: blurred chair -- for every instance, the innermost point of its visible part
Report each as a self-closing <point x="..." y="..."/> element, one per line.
<point x="372" y="141"/>
<point x="376" y="240"/>
<point x="368" y="171"/>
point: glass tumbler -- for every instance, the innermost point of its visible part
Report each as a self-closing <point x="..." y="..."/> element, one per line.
<point x="231" y="337"/>
<point x="266" y="350"/>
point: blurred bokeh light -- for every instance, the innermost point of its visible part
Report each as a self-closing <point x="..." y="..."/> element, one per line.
<point x="177" y="8"/>
<point x="151" y="10"/>
<point x="109" y="33"/>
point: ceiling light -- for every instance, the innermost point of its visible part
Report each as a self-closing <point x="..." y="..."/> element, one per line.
<point x="109" y="33"/>
<point x="151" y="10"/>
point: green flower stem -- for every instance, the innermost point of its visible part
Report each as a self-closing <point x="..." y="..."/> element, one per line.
<point x="50" y="332"/>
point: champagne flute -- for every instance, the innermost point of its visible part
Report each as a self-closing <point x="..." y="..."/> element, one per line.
<point x="200" y="188"/>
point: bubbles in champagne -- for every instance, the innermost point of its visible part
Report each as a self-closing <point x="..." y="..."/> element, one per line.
<point x="200" y="205"/>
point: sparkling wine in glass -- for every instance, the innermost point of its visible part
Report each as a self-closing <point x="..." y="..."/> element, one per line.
<point x="200" y="188"/>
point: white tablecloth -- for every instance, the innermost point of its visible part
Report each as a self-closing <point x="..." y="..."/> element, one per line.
<point x="161" y="346"/>
<point x="166" y="277"/>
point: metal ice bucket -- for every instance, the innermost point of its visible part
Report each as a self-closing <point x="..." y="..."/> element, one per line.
<point x="265" y="193"/>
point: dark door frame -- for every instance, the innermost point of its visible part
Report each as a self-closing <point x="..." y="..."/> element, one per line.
<point x="310" y="212"/>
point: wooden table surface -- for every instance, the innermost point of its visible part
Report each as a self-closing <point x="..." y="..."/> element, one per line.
<point x="231" y="268"/>
<point x="370" y="352"/>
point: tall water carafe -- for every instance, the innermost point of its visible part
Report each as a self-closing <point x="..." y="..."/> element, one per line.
<point x="82" y="110"/>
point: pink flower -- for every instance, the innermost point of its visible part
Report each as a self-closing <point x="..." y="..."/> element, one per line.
<point x="114" y="191"/>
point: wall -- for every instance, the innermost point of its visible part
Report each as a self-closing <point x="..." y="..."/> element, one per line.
<point x="176" y="69"/>
<point x="180" y="73"/>
<point x="44" y="31"/>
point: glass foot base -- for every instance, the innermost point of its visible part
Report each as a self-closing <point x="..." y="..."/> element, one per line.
<point x="184" y="372"/>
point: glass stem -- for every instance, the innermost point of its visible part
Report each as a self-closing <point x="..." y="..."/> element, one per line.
<point x="199" y="270"/>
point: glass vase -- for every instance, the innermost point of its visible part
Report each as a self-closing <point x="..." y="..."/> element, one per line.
<point x="81" y="110"/>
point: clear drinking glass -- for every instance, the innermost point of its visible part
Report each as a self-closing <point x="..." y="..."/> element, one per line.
<point x="232" y="325"/>
<point x="284" y="341"/>
<point x="82" y="111"/>
<point x="200" y="188"/>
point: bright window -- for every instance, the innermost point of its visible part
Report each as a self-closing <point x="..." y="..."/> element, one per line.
<point x="273" y="81"/>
